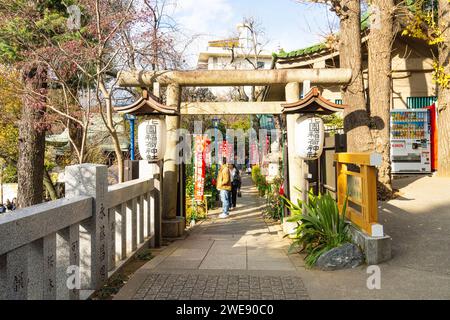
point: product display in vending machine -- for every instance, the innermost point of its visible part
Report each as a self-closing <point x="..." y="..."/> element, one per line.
<point x="410" y="141"/>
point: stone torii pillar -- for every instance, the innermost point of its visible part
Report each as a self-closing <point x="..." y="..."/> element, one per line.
<point x="295" y="164"/>
<point x="172" y="226"/>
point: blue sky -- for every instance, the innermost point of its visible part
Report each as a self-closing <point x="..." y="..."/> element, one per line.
<point x="288" y="24"/>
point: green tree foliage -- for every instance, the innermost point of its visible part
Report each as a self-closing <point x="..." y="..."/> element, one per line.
<point x="10" y="105"/>
<point x="423" y="23"/>
<point x="28" y="25"/>
<point x="431" y="24"/>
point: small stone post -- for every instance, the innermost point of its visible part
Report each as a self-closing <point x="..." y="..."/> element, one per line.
<point x="91" y="180"/>
<point x="148" y="170"/>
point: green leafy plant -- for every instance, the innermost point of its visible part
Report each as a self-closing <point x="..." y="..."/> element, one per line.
<point x="145" y="255"/>
<point x="259" y="180"/>
<point x="275" y="203"/>
<point x="195" y="211"/>
<point x="112" y="287"/>
<point x="321" y="228"/>
<point x="256" y="173"/>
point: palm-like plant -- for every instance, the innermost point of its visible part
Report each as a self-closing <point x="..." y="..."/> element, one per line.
<point x="321" y="228"/>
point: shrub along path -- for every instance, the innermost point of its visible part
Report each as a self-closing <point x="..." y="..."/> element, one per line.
<point x="240" y="257"/>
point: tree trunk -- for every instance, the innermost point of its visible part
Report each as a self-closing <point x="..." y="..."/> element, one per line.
<point x="356" y="119"/>
<point x="119" y="155"/>
<point x="76" y="135"/>
<point x="115" y="138"/>
<point x="444" y="93"/>
<point x="380" y="48"/>
<point x="30" y="164"/>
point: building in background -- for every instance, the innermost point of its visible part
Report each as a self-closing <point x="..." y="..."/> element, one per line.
<point x="412" y="131"/>
<point x="98" y="137"/>
<point x="233" y="54"/>
<point x="412" y="70"/>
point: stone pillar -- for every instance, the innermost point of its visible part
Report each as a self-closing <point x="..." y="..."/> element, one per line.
<point x="305" y="166"/>
<point x="172" y="226"/>
<point x="91" y="180"/>
<point x="295" y="164"/>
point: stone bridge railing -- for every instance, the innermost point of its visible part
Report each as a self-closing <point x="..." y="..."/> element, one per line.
<point x="66" y="249"/>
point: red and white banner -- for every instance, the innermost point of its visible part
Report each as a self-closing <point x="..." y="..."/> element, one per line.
<point x="254" y="153"/>
<point x="226" y="150"/>
<point x="200" y="145"/>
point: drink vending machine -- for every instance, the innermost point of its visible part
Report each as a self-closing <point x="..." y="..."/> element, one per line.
<point x="410" y="141"/>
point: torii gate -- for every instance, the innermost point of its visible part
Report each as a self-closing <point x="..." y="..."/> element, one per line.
<point x="172" y="225"/>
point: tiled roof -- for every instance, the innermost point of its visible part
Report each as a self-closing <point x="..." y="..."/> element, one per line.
<point x="317" y="47"/>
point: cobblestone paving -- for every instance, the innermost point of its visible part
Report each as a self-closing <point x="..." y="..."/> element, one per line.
<point x="220" y="287"/>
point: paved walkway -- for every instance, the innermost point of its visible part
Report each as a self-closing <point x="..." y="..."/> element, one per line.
<point x="419" y="224"/>
<point x="236" y="258"/>
<point x="243" y="258"/>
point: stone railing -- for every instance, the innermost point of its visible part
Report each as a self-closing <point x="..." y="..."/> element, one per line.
<point x="67" y="249"/>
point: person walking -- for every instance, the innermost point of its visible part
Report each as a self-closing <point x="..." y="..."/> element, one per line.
<point x="9" y="205"/>
<point x="235" y="184"/>
<point x="224" y="186"/>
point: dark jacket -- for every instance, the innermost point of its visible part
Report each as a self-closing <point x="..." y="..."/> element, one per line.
<point x="236" y="182"/>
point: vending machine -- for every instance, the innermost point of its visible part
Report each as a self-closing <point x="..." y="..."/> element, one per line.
<point x="410" y="141"/>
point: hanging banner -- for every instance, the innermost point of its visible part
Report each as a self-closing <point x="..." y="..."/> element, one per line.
<point x="226" y="150"/>
<point x="208" y="156"/>
<point x="224" y="147"/>
<point x="230" y="152"/>
<point x="200" y="147"/>
<point x="254" y="153"/>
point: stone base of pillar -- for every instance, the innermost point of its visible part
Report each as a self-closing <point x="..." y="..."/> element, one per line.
<point x="173" y="228"/>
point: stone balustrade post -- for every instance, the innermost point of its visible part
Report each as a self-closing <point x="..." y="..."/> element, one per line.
<point x="149" y="170"/>
<point x="91" y="180"/>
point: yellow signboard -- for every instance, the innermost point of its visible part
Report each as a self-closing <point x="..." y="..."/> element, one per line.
<point x="357" y="181"/>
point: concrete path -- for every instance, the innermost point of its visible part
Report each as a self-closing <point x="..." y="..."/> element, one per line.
<point x="240" y="257"/>
<point x="243" y="258"/>
<point x="419" y="224"/>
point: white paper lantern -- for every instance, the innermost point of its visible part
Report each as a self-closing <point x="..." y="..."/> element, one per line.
<point x="152" y="139"/>
<point x="309" y="137"/>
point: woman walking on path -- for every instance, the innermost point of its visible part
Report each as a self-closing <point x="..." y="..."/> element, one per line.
<point x="235" y="185"/>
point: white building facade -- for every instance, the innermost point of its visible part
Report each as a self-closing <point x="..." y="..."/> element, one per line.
<point x="237" y="53"/>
